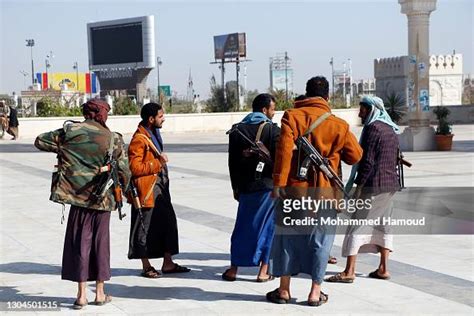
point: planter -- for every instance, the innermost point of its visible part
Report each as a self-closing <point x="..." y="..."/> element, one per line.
<point x="444" y="142"/>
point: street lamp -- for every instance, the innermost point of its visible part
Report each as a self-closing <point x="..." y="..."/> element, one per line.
<point x="76" y="68"/>
<point x="286" y="76"/>
<point x="158" y="64"/>
<point x="30" y="43"/>
<point x="48" y="64"/>
<point x="331" y="62"/>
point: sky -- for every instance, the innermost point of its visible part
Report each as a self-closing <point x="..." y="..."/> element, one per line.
<point x="310" y="31"/>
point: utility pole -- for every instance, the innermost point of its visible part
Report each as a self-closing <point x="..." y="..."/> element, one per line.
<point x="76" y="68"/>
<point x="332" y="72"/>
<point x="30" y="43"/>
<point x="286" y="76"/>
<point x="350" y="82"/>
<point x="158" y="64"/>
<point x="237" y="68"/>
<point x="223" y="79"/>
<point x="48" y="65"/>
<point x="344" y="84"/>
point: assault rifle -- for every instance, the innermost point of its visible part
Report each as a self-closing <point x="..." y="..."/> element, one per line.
<point x="258" y="148"/>
<point x="313" y="157"/>
<point x="136" y="203"/>
<point x="400" y="173"/>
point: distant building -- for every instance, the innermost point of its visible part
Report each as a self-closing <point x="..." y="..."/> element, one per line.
<point x="364" y="87"/>
<point x="445" y="74"/>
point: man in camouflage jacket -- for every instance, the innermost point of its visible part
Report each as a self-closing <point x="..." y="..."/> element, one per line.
<point x="82" y="149"/>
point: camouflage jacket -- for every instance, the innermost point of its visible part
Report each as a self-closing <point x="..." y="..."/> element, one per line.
<point x="81" y="150"/>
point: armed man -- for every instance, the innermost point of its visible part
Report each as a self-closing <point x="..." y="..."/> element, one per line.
<point x="92" y="168"/>
<point x="252" y="144"/>
<point x="306" y="249"/>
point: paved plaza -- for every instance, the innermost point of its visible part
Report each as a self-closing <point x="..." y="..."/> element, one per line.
<point x="431" y="274"/>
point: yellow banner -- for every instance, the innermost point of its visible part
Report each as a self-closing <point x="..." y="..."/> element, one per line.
<point x="73" y="81"/>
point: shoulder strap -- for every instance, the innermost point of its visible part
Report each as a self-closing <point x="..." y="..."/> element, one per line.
<point x="260" y="130"/>
<point x="316" y="123"/>
<point x="111" y="145"/>
<point x="149" y="143"/>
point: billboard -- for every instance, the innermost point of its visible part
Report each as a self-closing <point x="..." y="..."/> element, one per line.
<point x="230" y="46"/>
<point x="82" y="82"/>
<point x="123" y="43"/>
<point x="278" y="79"/>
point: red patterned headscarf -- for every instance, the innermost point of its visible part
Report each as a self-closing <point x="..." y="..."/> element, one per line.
<point x="96" y="110"/>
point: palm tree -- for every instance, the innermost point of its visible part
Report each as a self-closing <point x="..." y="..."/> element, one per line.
<point x="394" y="104"/>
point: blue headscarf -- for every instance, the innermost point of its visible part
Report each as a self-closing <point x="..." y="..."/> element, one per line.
<point x="156" y="138"/>
<point x="255" y="118"/>
<point x="377" y="113"/>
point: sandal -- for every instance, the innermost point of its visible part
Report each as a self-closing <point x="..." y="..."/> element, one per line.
<point x="107" y="299"/>
<point x="375" y="275"/>
<point x="226" y="277"/>
<point x="263" y="280"/>
<point x="177" y="269"/>
<point x="150" y="273"/>
<point x="78" y="306"/>
<point x="332" y="260"/>
<point x="338" y="278"/>
<point x="323" y="299"/>
<point x="275" y="297"/>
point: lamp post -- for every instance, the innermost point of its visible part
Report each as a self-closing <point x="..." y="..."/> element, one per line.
<point x="76" y="68"/>
<point x="286" y="76"/>
<point x="158" y="64"/>
<point x="30" y="43"/>
<point x="332" y="72"/>
<point x="344" y="84"/>
<point x="48" y="64"/>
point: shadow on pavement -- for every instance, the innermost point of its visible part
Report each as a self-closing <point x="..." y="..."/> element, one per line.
<point x="178" y="292"/>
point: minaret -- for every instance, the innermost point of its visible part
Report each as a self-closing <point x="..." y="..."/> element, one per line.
<point x="190" y="90"/>
<point x="419" y="135"/>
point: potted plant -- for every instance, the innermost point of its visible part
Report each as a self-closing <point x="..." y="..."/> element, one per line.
<point x="444" y="137"/>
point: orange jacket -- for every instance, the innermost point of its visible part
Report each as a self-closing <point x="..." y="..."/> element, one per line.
<point x="331" y="138"/>
<point x="145" y="165"/>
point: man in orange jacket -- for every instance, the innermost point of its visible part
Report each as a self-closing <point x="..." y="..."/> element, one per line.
<point x="306" y="249"/>
<point x="154" y="230"/>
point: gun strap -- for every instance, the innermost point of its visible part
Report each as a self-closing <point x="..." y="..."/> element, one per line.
<point x="316" y="123"/>
<point x="150" y="143"/>
<point x="259" y="131"/>
<point x="111" y="146"/>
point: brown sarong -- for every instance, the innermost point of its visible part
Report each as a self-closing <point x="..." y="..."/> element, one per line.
<point x="86" y="255"/>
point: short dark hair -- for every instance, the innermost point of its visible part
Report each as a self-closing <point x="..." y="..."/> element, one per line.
<point x="317" y="87"/>
<point x="261" y="101"/>
<point x="149" y="110"/>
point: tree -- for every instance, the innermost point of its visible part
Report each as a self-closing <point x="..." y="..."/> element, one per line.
<point x="394" y="104"/>
<point x="217" y="102"/>
<point x="249" y="99"/>
<point x="125" y="106"/>
<point x="281" y="104"/>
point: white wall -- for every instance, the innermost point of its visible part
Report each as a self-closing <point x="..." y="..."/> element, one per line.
<point x="208" y="122"/>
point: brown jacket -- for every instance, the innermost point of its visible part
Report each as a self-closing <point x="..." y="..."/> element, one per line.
<point x="145" y="165"/>
<point x="331" y="138"/>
